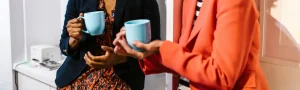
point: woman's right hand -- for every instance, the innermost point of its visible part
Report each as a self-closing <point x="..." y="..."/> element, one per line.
<point x="74" y="28"/>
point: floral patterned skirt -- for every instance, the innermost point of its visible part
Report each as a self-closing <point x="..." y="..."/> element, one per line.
<point x="97" y="79"/>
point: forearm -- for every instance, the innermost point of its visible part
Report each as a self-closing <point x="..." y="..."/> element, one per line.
<point x="68" y="45"/>
<point x="152" y="65"/>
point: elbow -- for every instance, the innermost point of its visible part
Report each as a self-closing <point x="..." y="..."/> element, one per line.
<point x="226" y="81"/>
<point x="61" y="47"/>
<point x="217" y="79"/>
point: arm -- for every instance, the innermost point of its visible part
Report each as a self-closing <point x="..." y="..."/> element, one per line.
<point x="152" y="65"/>
<point x="235" y="28"/>
<point x="151" y="12"/>
<point x="69" y="46"/>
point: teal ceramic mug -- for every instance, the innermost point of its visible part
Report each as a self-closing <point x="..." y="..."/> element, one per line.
<point x="94" y="22"/>
<point x="138" y="30"/>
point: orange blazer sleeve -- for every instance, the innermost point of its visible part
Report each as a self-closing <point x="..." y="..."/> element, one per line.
<point x="152" y="65"/>
<point x="235" y="26"/>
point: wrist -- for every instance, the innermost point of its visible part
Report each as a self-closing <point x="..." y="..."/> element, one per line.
<point x="73" y="43"/>
<point x="78" y="38"/>
<point x="159" y="43"/>
<point x="121" y="59"/>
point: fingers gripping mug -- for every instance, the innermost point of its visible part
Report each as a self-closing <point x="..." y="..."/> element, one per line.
<point x="94" y="22"/>
<point x="138" y="30"/>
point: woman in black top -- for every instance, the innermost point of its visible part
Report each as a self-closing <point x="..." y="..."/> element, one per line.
<point x="90" y="66"/>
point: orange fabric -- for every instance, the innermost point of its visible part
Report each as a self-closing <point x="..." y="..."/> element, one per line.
<point x="176" y="34"/>
<point x="220" y="52"/>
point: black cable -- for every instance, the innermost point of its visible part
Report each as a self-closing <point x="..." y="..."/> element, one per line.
<point x="16" y="80"/>
<point x="16" y="75"/>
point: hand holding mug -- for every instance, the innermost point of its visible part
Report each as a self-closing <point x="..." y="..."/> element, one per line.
<point x="94" y="22"/>
<point x="123" y="48"/>
<point x="74" y="28"/>
<point x="138" y="30"/>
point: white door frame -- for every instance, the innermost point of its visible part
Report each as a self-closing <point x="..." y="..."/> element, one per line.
<point x="169" y="35"/>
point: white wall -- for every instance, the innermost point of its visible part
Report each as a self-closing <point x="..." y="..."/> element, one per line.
<point x="6" y="80"/>
<point x="280" y="43"/>
<point x="63" y="5"/>
<point x="33" y="22"/>
<point x="17" y="30"/>
<point x="169" y="36"/>
<point x="42" y="22"/>
<point x="281" y="77"/>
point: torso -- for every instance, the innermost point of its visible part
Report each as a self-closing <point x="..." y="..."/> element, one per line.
<point x="100" y="79"/>
<point x="185" y="81"/>
<point x="108" y="6"/>
<point x="205" y="39"/>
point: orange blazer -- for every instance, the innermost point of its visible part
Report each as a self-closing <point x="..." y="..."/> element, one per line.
<point x="220" y="52"/>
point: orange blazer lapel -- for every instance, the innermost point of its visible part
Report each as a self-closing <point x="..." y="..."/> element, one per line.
<point x="177" y="24"/>
<point x="189" y="10"/>
<point x="199" y="22"/>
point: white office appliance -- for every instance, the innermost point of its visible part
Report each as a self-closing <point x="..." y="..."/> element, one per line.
<point x="41" y="53"/>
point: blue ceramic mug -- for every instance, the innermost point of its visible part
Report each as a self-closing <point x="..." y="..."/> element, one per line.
<point x="138" y="30"/>
<point x="94" y="22"/>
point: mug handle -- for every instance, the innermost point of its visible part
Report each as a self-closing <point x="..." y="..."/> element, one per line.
<point x="85" y="31"/>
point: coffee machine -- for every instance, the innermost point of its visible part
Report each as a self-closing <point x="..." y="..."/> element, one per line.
<point x="47" y="56"/>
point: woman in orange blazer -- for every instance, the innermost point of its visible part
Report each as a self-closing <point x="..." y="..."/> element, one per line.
<point x="220" y="51"/>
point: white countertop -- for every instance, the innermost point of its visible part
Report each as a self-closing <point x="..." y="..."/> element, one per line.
<point x="41" y="74"/>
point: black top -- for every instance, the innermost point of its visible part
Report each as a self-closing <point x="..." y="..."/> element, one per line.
<point x="125" y="10"/>
<point x="198" y="6"/>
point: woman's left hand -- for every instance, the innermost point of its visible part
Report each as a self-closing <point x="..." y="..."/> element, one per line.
<point x="110" y="58"/>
